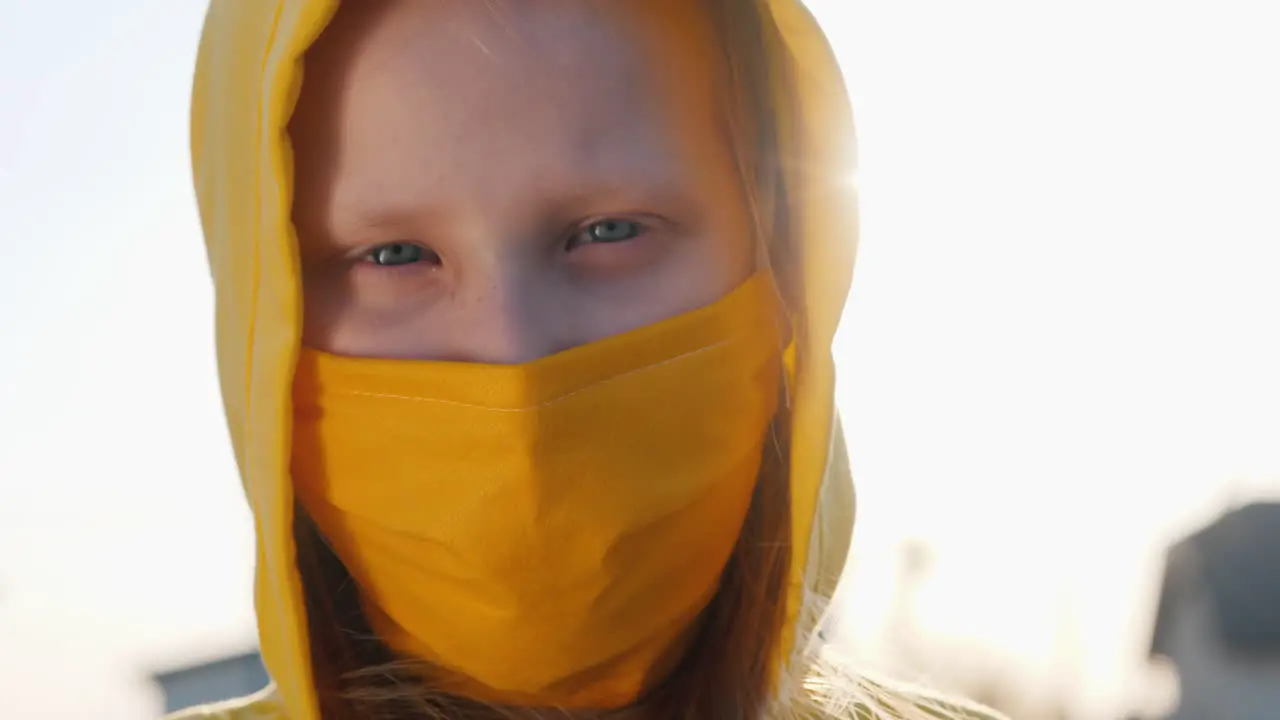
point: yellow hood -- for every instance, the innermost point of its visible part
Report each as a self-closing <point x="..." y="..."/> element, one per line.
<point x="248" y="76"/>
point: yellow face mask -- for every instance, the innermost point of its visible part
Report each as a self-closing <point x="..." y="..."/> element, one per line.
<point x="544" y="534"/>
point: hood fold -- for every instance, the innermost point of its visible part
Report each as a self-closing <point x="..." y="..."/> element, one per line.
<point x="248" y="76"/>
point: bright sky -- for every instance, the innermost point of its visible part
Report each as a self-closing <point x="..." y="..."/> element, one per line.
<point x="1060" y="352"/>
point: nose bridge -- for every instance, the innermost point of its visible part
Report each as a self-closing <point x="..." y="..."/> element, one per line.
<point x="505" y="321"/>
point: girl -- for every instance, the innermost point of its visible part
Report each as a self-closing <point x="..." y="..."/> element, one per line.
<point x="524" y="317"/>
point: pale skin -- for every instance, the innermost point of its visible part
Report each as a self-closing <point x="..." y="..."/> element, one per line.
<point x="499" y="181"/>
<point x="490" y="181"/>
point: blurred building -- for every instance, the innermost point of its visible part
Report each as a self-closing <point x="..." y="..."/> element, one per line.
<point x="1218" y="619"/>
<point x="210" y="682"/>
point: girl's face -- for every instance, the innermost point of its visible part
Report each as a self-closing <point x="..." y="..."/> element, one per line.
<point x="498" y="181"/>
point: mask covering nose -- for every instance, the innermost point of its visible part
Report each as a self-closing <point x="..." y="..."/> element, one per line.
<point x="544" y="534"/>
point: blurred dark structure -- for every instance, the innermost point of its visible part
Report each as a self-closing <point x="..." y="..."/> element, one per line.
<point x="211" y="682"/>
<point x="1218" y="619"/>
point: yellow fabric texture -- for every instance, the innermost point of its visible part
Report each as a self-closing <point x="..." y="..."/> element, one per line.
<point x="248" y="76"/>
<point x="544" y="534"/>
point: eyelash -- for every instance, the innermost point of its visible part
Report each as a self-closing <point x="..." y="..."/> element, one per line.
<point x="426" y="254"/>
<point x="640" y="229"/>
<point x="572" y="243"/>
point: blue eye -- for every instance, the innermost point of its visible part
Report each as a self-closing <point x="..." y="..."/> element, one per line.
<point x="394" y="254"/>
<point x="610" y="231"/>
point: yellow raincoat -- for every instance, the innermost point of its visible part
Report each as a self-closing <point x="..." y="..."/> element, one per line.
<point x="247" y="80"/>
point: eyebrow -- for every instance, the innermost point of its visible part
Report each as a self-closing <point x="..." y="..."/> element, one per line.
<point x="669" y="194"/>
<point x="673" y="198"/>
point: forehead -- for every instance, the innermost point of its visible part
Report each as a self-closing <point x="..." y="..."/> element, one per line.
<point x="459" y="97"/>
